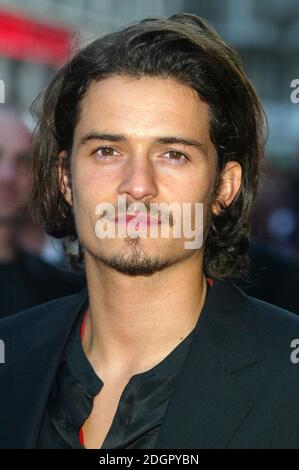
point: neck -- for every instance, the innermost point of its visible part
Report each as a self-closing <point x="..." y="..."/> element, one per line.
<point x="134" y="322"/>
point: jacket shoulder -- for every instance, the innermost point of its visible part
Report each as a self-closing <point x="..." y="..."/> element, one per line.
<point x="42" y="320"/>
<point x="278" y="333"/>
<point x="272" y="317"/>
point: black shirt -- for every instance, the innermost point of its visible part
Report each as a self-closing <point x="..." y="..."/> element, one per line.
<point x="140" y="410"/>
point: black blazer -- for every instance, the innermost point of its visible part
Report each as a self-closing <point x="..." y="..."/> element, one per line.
<point x="238" y="387"/>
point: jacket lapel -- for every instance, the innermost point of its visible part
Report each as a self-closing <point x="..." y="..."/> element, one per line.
<point x="208" y="404"/>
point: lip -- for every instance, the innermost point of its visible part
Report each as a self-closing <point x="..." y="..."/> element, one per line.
<point x="142" y="219"/>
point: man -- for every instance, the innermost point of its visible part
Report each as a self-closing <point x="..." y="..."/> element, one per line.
<point x="160" y="350"/>
<point x="25" y="280"/>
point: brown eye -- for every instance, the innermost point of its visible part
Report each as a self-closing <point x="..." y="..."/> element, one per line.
<point x="105" y="152"/>
<point x="177" y="156"/>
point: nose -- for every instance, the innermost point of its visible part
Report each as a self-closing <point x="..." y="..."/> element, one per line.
<point x="138" y="179"/>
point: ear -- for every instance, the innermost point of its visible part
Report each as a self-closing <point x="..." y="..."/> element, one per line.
<point x="230" y="184"/>
<point x="64" y="183"/>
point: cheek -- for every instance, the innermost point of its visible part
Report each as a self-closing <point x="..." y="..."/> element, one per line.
<point x="91" y="177"/>
<point x="196" y="187"/>
<point x="90" y="188"/>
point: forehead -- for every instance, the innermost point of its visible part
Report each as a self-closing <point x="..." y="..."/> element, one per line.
<point x="144" y="106"/>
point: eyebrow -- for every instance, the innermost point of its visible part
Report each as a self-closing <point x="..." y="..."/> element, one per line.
<point x="94" y="136"/>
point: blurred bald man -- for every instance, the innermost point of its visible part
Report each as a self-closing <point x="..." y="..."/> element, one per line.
<point x="25" y="279"/>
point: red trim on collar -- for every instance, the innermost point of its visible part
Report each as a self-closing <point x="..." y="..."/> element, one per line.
<point x="83" y="325"/>
<point x="81" y="435"/>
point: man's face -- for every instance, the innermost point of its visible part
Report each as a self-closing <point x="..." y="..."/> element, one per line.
<point x="138" y="165"/>
<point x="15" y="176"/>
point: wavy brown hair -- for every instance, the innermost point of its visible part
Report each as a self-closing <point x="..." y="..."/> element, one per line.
<point x="183" y="47"/>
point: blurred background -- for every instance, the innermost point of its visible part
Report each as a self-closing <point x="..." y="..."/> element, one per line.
<point x="37" y="36"/>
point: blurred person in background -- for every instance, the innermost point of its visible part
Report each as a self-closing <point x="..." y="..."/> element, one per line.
<point x="25" y="279"/>
<point x="273" y="275"/>
<point x="34" y="239"/>
<point x="294" y="205"/>
<point x="274" y="256"/>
